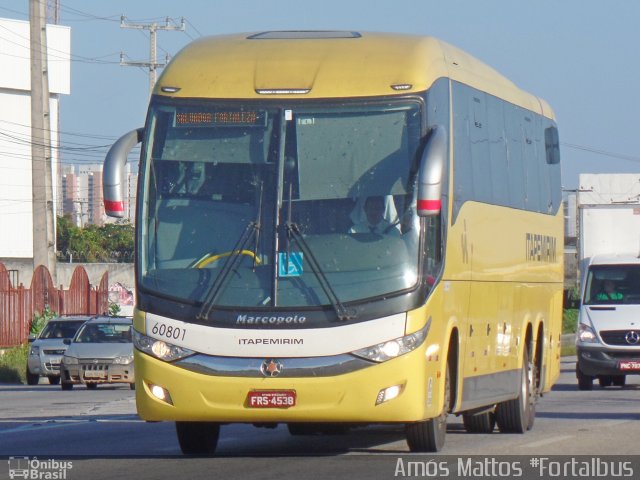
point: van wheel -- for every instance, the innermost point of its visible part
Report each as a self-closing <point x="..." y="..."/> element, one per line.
<point x="619" y="380"/>
<point x="32" y="378"/>
<point x="198" y="438"/>
<point x="429" y="435"/>
<point x="479" y="423"/>
<point x="605" y="381"/>
<point x="518" y="415"/>
<point x="54" y="379"/>
<point x="585" y="382"/>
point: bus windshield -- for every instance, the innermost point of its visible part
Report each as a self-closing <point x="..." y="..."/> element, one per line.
<point x="254" y="206"/>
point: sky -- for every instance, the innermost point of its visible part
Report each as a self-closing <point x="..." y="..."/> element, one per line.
<point x="579" y="55"/>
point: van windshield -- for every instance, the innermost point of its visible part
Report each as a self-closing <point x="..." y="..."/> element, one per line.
<point x="613" y="284"/>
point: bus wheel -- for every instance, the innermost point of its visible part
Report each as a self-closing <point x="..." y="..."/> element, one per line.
<point x="198" y="438"/>
<point x="479" y="423"/>
<point x="585" y="382"/>
<point x="518" y="415"/>
<point x="429" y="435"/>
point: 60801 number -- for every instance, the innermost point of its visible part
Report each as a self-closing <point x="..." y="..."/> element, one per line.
<point x="168" y="331"/>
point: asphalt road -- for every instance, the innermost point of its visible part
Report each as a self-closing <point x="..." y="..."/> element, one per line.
<point x="100" y="434"/>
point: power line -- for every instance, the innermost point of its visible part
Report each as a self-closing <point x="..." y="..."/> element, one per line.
<point x="621" y="156"/>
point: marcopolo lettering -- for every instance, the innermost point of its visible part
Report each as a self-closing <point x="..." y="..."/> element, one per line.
<point x="270" y="320"/>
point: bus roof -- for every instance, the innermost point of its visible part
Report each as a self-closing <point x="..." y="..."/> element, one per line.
<point x="324" y="64"/>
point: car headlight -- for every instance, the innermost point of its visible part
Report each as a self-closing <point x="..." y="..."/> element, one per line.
<point x="586" y="334"/>
<point x="67" y="360"/>
<point x="394" y="348"/>
<point x="159" y="348"/>
<point x="35" y="350"/>
<point x="124" y="360"/>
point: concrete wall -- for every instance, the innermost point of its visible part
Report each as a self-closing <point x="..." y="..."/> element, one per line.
<point x="118" y="272"/>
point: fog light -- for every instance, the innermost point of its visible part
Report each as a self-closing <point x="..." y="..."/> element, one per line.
<point x="160" y="393"/>
<point x="388" y="393"/>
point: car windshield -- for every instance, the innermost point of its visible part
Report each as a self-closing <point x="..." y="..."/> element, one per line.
<point x="60" y="329"/>
<point x="265" y="207"/>
<point x="104" y="333"/>
<point x="613" y="284"/>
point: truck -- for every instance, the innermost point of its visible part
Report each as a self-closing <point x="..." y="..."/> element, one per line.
<point x="608" y="330"/>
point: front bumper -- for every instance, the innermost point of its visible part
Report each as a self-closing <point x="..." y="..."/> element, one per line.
<point x="90" y="372"/>
<point x="44" y="365"/>
<point x="348" y="397"/>
<point x="595" y="361"/>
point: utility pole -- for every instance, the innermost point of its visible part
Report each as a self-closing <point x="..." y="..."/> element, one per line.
<point x="44" y="240"/>
<point x="153" y="63"/>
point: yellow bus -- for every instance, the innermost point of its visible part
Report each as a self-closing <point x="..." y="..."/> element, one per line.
<point x="337" y="229"/>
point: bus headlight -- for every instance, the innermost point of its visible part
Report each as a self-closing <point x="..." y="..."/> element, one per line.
<point x="159" y="348"/>
<point x="586" y="334"/>
<point x="394" y="348"/>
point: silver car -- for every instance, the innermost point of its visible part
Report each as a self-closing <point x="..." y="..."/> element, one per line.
<point x="46" y="351"/>
<point x="100" y="352"/>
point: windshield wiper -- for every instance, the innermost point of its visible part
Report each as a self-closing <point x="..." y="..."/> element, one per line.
<point x="252" y="229"/>
<point x="293" y="231"/>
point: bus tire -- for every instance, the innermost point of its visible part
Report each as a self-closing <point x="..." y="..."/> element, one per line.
<point x="479" y="423"/>
<point x="585" y="382"/>
<point x="429" y="435"/>
<point x="198" y="438"/>
<point x="518" y="415"/>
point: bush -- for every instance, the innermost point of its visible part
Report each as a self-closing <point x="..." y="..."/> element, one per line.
<point x="569" y="320"/>
<point x="40" y="320"/>
<point x="13" y="365"/>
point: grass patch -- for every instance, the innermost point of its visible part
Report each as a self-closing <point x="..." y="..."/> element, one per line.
<point x="13" y="365"/>
<point x="569" y="320"/>
<point x="568" y="351"/>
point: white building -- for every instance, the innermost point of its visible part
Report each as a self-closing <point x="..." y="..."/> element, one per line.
<point x="16" y="240"/>
<point x="81" y="196"/>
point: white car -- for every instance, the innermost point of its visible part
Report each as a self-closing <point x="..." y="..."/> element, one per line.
<point x="101" y="352"/>
<point x="46" y="351"/>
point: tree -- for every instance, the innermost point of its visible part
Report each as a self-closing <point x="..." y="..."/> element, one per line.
<point x="112" y="243"/>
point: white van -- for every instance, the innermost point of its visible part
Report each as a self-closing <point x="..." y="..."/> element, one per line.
<point x="608" y="333"/>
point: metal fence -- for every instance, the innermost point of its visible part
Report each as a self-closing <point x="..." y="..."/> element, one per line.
<point x="19" y="304"/>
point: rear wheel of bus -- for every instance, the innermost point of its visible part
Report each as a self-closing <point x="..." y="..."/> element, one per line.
<point x="429" y="435"/>
<point x="518" y="415"/>
<point x="198" y="438"/>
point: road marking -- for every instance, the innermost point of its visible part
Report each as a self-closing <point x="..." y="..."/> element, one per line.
<point x="546" y="441"/>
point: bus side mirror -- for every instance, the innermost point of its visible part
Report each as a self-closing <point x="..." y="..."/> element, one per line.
<point x="432" y="166"/>
<point x="113" y="172"/>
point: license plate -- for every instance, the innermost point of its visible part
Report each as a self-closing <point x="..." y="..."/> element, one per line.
<point x="271" y="399"/>
<point x="94" y="374"/>
<point x="629" y="365"/>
